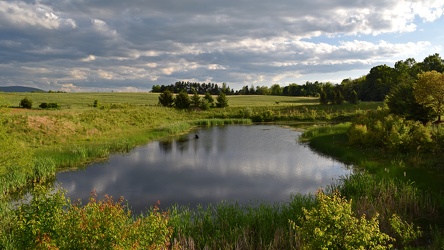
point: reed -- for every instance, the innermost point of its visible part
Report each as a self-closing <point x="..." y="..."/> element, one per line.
<point x="229" y="225"/>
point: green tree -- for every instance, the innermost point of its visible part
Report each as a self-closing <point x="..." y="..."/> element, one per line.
<point x="429" y="91"/>
<point x="156" y="89"/>
<point x="222" y="100"/>
<point x="26" y="103"/>
<point x="433" y="62"/>
<point x="378" y="83"/>
<point x="401" y="101"/>
<point x="209" y="98"/>
<point x="195" y="99"/>
<point x="263" y="90"/>
<point x="276" y="89"/>
<point x="204" y="104"/>
<point x="323" y="97"/>
<point x="329" y="90"/>
<point x="353" y="97"/>
<point x="182" y="100"/>
<point x="166" y="98"/>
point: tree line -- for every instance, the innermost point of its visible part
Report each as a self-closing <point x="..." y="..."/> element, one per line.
<point x="293" y="89"/>
<point x="394" y="85"/>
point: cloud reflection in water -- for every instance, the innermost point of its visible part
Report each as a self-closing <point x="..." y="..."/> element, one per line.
<point x="239" y="163"/>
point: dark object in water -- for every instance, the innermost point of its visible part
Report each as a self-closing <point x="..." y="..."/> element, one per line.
<point x="196" y="137"/>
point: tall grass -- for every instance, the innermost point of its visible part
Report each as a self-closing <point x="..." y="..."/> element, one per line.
<point x="234" y="226"/>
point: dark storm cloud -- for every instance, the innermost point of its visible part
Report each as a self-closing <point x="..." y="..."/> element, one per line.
<point x="104" y="44"/>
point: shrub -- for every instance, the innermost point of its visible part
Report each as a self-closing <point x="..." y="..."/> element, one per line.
<point x="195" y="99"/>
<point x="209" y="98"/>
<point x="36" y="222"/>
<point x="332" y="225"/>
<point x="392" y="132"/>
<point x="204" y="104"/>
<point x="51" y="105"/>
<point x="182" y="100"/>
<point x="96" y="103"/>
<point x="405" y="232"/>
<point x="50" y="221"/>
<point x="222" y="100"/>
<point x="26" y="103"/>
<point x="357" y="134"/>
<point x="166" y="98"/>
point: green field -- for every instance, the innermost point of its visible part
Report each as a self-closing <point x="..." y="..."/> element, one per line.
<point x="85" y="100"/>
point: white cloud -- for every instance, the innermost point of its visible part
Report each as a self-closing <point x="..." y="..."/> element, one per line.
<point x="20" y="14"/>
<point x="103" y="28"/>
<point x="90" y="58"/>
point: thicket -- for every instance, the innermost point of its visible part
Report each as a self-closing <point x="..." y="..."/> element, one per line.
<point x="51" y="221"/>
<point x="51" y="105"/>
<point x="386" y="131"/>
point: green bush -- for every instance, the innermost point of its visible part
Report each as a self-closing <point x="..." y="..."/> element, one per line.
<point x="166" y="98"/>
<point x="195" y="99"/>
<point x="51" y="105"/>
<point x="26" y="103"/>
<point x="209" y="98"/>
<point x="50" y="221"/>
<point x="405" y="232"/>
<point x="332" y="225"/>
<point x="204" y="104"/>
<point x="393" y="133"/>
<point x="182" y="100"/>
<point x="222" y="100"/>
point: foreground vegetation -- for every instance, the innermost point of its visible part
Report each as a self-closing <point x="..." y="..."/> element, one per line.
<point x="384" y="209"/>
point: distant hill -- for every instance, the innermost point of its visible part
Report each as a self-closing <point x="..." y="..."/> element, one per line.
<point x="19" y="89"/>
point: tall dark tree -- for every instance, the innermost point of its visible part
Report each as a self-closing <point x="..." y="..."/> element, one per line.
<point x="323" y="97"/>
<point x="338" y="97"/>
<point x="195" y="99"/>
<point x="166" y="98"/>
<point x="433" y="62"/>
<point x="353" y="97"/>
<point x="378" y="83"/>
<point x="182" y="100"/>
<point x="209" y="98"/>
<point x="222" y="100"/>
<point x="401" y="101"/>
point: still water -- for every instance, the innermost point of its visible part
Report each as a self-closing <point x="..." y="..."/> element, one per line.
<point x="225" y="163"/>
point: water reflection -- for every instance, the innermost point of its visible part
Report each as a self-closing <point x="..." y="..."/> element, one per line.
<point x="241" y="163"/>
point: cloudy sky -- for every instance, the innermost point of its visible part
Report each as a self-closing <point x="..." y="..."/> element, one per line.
<point x="129" y="45"/>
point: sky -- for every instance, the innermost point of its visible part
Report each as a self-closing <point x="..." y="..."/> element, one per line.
<point x="131" y="45"/>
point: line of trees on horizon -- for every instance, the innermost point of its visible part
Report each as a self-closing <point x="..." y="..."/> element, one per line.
<point x="394" y="84"/>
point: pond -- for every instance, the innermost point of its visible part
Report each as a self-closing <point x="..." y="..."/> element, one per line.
<point x="241" y="163"/>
